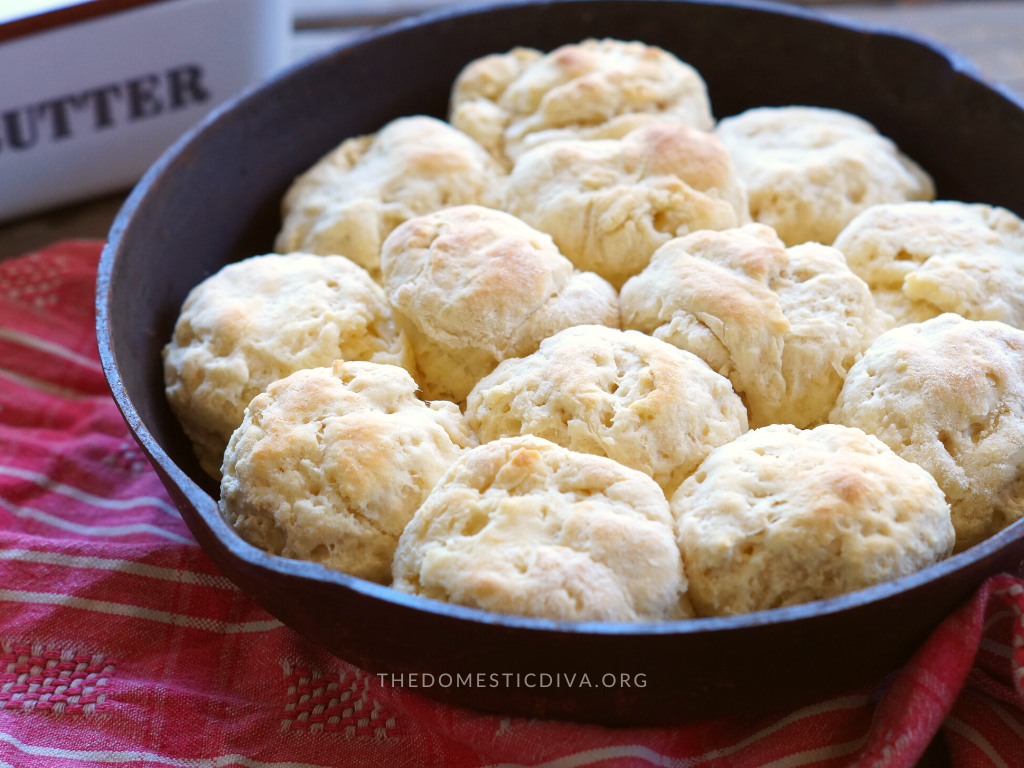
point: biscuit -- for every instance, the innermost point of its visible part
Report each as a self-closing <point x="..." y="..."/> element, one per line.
<point x="474" y="102"/>
<point x="597" y="89"/>
<point x="783" y="516"/>
<point x="352" y="199"/>
<point x="472" y="287"/>
<point x="784" y="326"/>
<point x="260" y="320"/>
<point x="525" y="527"/>
<point x="610" y="204"/>
<point x="923" y="259"/>
<point x="620" y="394"/>
<point x="809" y="171"/>
<point x="948" y="395"/>
<point x="331" y="463"/>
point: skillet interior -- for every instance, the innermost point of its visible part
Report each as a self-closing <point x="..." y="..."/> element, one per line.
<point x="213" y="199"/>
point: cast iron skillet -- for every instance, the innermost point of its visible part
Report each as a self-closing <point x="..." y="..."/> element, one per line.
<point x="213" y="199"/>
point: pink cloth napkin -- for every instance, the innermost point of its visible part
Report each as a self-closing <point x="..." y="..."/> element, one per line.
<point x="121" y="644"/>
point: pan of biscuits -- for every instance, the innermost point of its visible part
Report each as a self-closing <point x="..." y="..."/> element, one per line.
<point x="673" y="339"/>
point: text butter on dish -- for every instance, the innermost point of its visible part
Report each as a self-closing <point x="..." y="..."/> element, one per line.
<point x="90" y="98"/>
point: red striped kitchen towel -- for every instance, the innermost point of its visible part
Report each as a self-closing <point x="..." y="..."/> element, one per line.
<point x="121" y="644"/>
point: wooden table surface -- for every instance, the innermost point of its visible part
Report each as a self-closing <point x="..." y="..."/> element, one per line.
<point x="990" y="32"/>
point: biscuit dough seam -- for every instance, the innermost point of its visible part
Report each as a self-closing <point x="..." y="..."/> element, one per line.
<point x="701" y="319"/>
<point x="349" y="507"/>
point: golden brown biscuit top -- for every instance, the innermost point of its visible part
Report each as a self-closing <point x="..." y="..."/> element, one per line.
<point x="523" y="526"/>
<point x="489" y="76"/>
<point x="471" y="276"/>
<point x="261" y="319"/>
<point x="783" y="325"/>
<point x="810" y="170"/>
<point x="923" y="259"/>
<point x="331" y="463"/>
<point x="620" y="394"/>
<point x="782" y="516"/>
<point x="352" y="198"/>
<point x="948" y="395"/>
<point x="610" y="203"/>
<point x="590" y="90"/>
